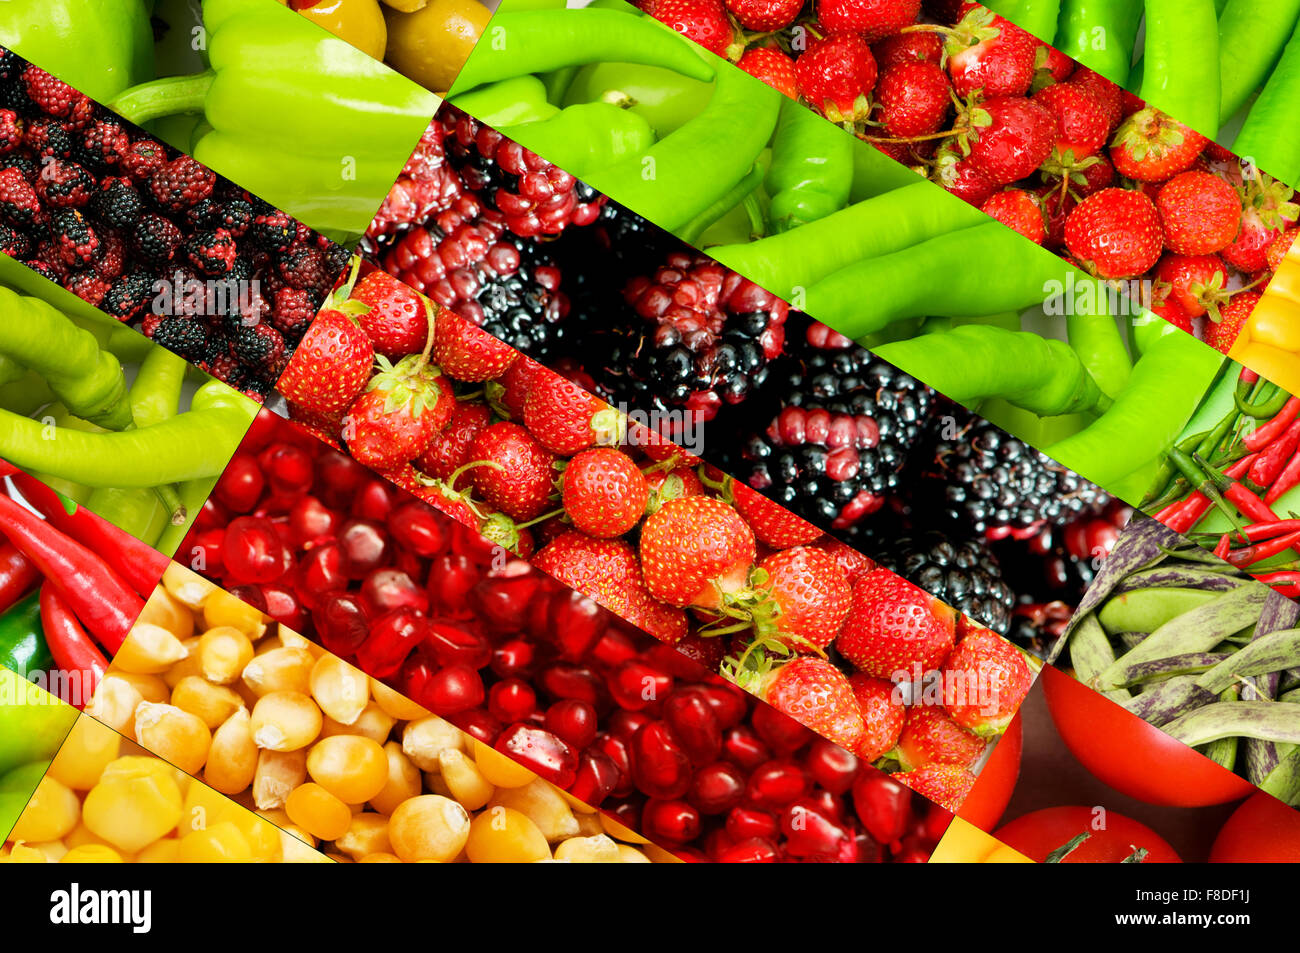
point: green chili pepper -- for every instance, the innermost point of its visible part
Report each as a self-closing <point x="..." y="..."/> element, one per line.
<point x="1260" y="139"/>
<point x="974" y="362"/>
<point x="1034" y="16"/>
<point x="874" y="173"/>
<point x="10" y="370"/>
<point x="1166" y="385"/>
<point x="1252" y="35"/>
<point x="812" y="168"/>
<point x="193" y="494"/>
<point x="22" y="643"/>
<point x="536" y="41"/>
<point x="875" y="227"/>
<point x="999" y="271"/>
<point x="664" y="98"/>
<point x="101" y="48"/>
<point x="284" y="94"/>
<point x="1181" y="62"/>
<point x="518" y="100"/>
<point x="605" y="134"/>
<point x="1100" y="34"/>
<point x="740" y="193"/>
<point x="26" y="395"/>
<point x="1097" y="340"/>
<point x="88" y="381"/>
<point x="686" y="172"/>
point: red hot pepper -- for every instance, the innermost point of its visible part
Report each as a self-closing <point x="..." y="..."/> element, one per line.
<point x="18" y="575"/>
<point x="71" y="647"/>
<point x="1274" y="457"/>
<point x="1262" y="436"/>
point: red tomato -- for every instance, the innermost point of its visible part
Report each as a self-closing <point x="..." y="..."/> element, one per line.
<point x="1262" y="831"/>
<point x="989" y="797"/>
<point x="1038" y="834"/>
<point x="1131" y="756"/>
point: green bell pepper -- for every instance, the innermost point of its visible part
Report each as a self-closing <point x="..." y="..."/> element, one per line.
<point x="22" y="641"/>
<point x="99" y="46"/>
<point x="298" y="117"/>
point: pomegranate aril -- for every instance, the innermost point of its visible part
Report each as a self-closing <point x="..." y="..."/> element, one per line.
<point x="809" y="832"/>
<point x="283" y="606"/>
<point x="831" y="766"/>
<point x="374" y="501"/>
<point x="616" y="750"/>
<point x="576" y="623"/>
<point x="391" y="639"/>
<point x="337" y="477"/>
<point x="574" y="721"/>
<point x="512" y="700"/>
<point x="479" y="723"/>
<point x="320" y="574"/>
<point x="241" y="485"/>
<point x="613" y="648"/>
<point x="673" y="821"/>
<point x="311" y="522"/>
<point x="636" y="685"/>
<point x="365" y="547"/>
<point x="251" y="551"/>
<point x="691" y="717"/>
<point x="341" y="623"/>
<point x="775" y="784"/>
<point x="729" y="704"/>
<point x="624" y="724"/>
<point x="451" y="578"/>
<point x="745" y="822"/>
<point x="755" y="850"/>
<point x="542" y="752"/>
<point x="782" y="733"/>
<point x="503" y="602"/>
<point x="883" y="806"/>
<point x="566" y="680"/>
<point x="452" y="690"/>
<point x="597" y="778"/>
<point x="660" y="768"/>
<point x="290" y="469"/>
<point x="744" y="748"/>
<point x="513" y="659"/>
<point x="418" y="527"/>
<point x="384" y="590"/>
<point x="717" y="788"/>
<point x="456" y="645"/>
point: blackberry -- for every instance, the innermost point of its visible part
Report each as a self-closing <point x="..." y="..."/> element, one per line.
<point x="156" y="238"/>
<point x="74" y="237"/>
<point x="117" y="203"/>
<point x="14" y="243"/>
<point x="963" y="573"/>
<point x="212" y="252"/>
<point x="49" y="138"/>
<point x="998" y="485"/>
<point x="501" y="282"/>
<point x="129" y="296"/>
<point x="65" y="185"/>
<point x="183" y="336"/>
<point x="258" y="346"/>
<point x="102" y="145"/>
<point x="427" y="188"/>
<point x="839" y="436"/>
<point x="180" y="184"/>
<point x="235" y="216"/>
<point x="272" y="232"/>
<point x="11" y="131"/>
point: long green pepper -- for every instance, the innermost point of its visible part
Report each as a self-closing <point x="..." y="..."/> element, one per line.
<point x="811" y="171"/>
<point x="1100" y="34"/>
<point x="1252" y="35"/>
<point x="1264" y="137"/>
<point x="1180" y="73"/>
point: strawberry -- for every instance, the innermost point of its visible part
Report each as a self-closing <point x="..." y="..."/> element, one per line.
<point x="945" y="784"/>
<point x="882" y="713"/>
<point x="1195" y="281"/>
<point x="466" y="352"/>
<point x="666" y="623"/>
<point x="515" y="472"/>
<point x="871" y="19"/>
<point x="1199" y="212"/>
<point x="772" y="523"/>
<point x="804" y="598"/>
<point x="854" y="563"/>
<point x="1166" y="306"/>
<point x="1051" y="63"/>
<point x="893" y="625"/>
<point x="1220" y="335"/>
<point x="397" y="321"/>
<point x="403" y="406"/>
<point x="985" y="679"/>
<point x="1019" y="211"/>
<point x="606" y="570"/>
<point x="704" y="21"/>
<point x="836" y="75"/>
<point x="908" y="48"/>
<point x="509" y="392"/>
<point x="931" y="737"/>
<point x="1278" y="248"/>
<point x="988" y="53"/>
<point x="565" y="418"/>
<point x="914" y="99"/>
<point x="448" y="450"/>
<point x="665" y="485"/>
<point x="1267" y="210"/>
<point x="773" y="67"/>
<point x="694" y="551"/>
<point x="604" y="493"/>
<point x="1080" y="124"/>
<point x="765" y="16"/>
<point x="658" y="447"/>
<point x="1100" y="90"/>
<point x="1151" y="147"/>
<point x="1114" y="233"/>
<point x="816" y="694"/>
<point x="332" y="362"/>
<point x="1012" y="137"/>
<point x="961" y="176"/>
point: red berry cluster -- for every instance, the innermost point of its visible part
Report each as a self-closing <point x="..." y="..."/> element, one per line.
<point x="540" y="672"/>
<point x="141" y="231"/>
<point x="1011" y="125"/>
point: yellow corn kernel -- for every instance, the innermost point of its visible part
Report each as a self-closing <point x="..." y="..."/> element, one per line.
<point x="187" y="587"/>
<point x="502" y="835"/>
<point x="232" y="758"/>
<point x="135" y="803"/>
<point x="403" y="780"/>
<point x="318" y="812"/>
<point x="395" y="703"/>
<point x="263" y="839"/>
<point x="599" y="849"/>
<point x="187" y="667"/>
<point x="92" y="854"/>
<point x="499" y="768"/>
<point x="278" y="773"/>
<point x="203" y="807"/>
<point x="213" y="704"/>
<point x="341" y="690"/>
<point x="161" y="609"/>
<point x="222" y="842"/>
<point x="542" y="803"/>
<point x="380" y="858"/>
<point x="352" y="768"/>
<point x="464" y="779"/>
<point x="281" y="669"/>
<point x="152" y="688"/>
<point x="435" y="784"/>
<point x="24" y="854"/>
<point x="367" y="834"/>
<point x="174" y="735"/>
<point x="428" y="827"/>
<point x="628" y="854"/>
<point x="292" y="640"/>
<point x="223" y="653"/>
<point x="163" y="851"/>
<point x="52" y="812"/>
<point x="148" y="650"/>
<point x="81" y="834"/>
<point x="425" y="739"/>
<point x="223" y="609"/>
<point x="1285" y="282"/>
<point x="588" y="824"/>
<point x="114" y="704"/>
<point x="85" y="752"/>
<point x="373" y="723"/>
<point x="294" y="850"/>
<point x="285" y="721"/>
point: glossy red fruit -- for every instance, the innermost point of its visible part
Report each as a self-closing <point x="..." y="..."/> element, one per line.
<point x="513" y="699"/>
<point x="776" y="783"/>
<point x="252" y="552"/>
<point x="743" y="747"/>
<point x="391" y="639"/>
<point x="717" y="788"/>
<point x="883" y="806"/>
<point x="572" y="720"/>
<point x="745" y="822"/>
<point x="673" y="821"/>
<point x="692" y="720"/>
<point x="830" y="766"/>
<point x="660" y="766"/>
<point x="542" y="752"/>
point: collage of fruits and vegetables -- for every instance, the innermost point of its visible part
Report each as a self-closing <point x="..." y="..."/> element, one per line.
<point x="757" y="431"/>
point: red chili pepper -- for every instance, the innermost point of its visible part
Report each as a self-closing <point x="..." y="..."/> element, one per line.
<point x="18" y="575"/>
<point x="1275" y="456"/>
<point x="7" y="469"/>
<point x="1287" y="583"/>
<point x="1224" y="544"/>
<point x="138" y="563"/>
<point x="1251" y="506"/>
<point x="1182" y="516"/>
<point x="73" y="652"/>
<point x="1258" y="552"/>
<point x="98" y="596"/>
<point x="1258" y="531"/>
<point x="1288" y="478"/>
<point x="1247" y="376"/>
<point x="1240" y="468"/>
<point x="1262" y="436"/>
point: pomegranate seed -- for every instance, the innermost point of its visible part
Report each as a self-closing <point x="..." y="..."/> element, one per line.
<point x="450" y="581"/>
<point x="251" y="551"/>
<point x="745" y="822"/>
<point x="311" y="523"/>
<point x="755" y="850"/>
<point x="545" y="754"/>
<point x="390" y="641"/>
<point x="454" y="689"/>
<point x="776" y="783"/>
<point x="616" y="750"/>
<point x="503" y="603"/>
<point x="374" y="500"/>
<point x="670" y="820"/>
<point x="693" y="722"/>
<point x="454" y="645"/>
<point x="717" y="788"/>
<point x="636" y="685"/>
<point x="340" y="623"/>
<point x="574" y="721"/>
<point x="512" y="700"/>
<point x="597" y="778"/>
<point x="384" y="590"/>
<point x="365" y="547"/>
<point x="782" y="733"/>
<point x="577" y="623"/>
<point x="241" y="485"/>
<point x="566" y="680"/>
<point x="291" y="470"/>
<point x="744" y="748"/>
<point x="883" y="806"/>
<point x="513" y="659"/>
<point x="660" y="768"/>
<point x="809" y="832"/>
<point x="320" y="573"/>
<point x="417" y="526"/>
<point x="831" y="766"/>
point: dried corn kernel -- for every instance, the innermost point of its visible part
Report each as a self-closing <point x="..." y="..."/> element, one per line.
<point x="542" y="803"/>
<point x="367" y="834"/>
<point x="92" y="854"/>
<point x="373" y="723"/>
<point x="222" y="842"/>
<point x="148" y="650"/>
<point x="211" y="703"/>
<point x="136" y="802"/>
<point x="341" y="690"/>
<point x="424" y="741"/>
<point x="499" y="769"/>
<point x="222" y="609"/>
<point x="352" y="768"/>
<point x="223" y="653"/>
<point x="285" y="721"/>
<point x="464" y="779"/>
<point x="395" y="703"/>
<point x="278" y="773"/>
<point x="280" y="670"/>
<point x="599" y="849"/>
<point x="403" y="782"/>
<point x="502" y="835"/>
<point x="115" y="703"/>
<point x="186" y="586"/>
<point x="232" y="758"/>
<point x="428" y="827"/>
<point x="318" y="812"/>
<point x="164" y="610"/>
<point x="173" y="734"/>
